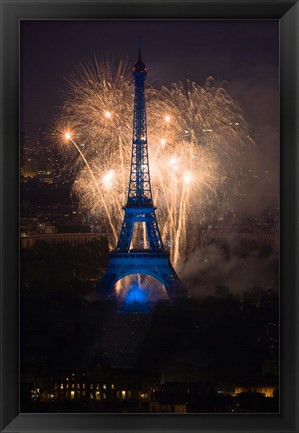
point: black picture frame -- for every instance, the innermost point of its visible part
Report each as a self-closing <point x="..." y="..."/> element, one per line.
<point x="11" y="13"/>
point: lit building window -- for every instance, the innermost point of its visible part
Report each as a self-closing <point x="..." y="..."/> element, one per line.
<point x="84" y="393"/>
<point x="91" y="396"/>
<point x="98" y="395"/>
<point x="123" y="395"/>
<point x="73" y="385"/>
<point x="104" y="396"/>
<point x="61" y="386"/>
<point x="98" y="386"/>
<point x="104" y="386"/>
<point x="112" y="385"/>
<point x="72" y="395"/>
<point x="67" y="386"/>
<point x="78" y="385"/>
<point x="91" y="386"/>
<point x="83" y="385"/>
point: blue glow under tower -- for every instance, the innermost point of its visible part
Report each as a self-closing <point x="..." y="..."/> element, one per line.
<point x="152" y="259"/>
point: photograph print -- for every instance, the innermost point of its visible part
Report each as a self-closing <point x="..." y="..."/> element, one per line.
<point x="149" y="225"/>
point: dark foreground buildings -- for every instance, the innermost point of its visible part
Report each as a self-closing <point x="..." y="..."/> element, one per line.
<point x="102" y="389"/>
<point x="116" y="381"/>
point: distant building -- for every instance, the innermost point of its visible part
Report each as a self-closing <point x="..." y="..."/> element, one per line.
<point x="249" y="240"/>
<point x="168" y="404"/>
<point x="266" y="390"/>
<point x="53" y="239"/>
<point x="98" y="384"/>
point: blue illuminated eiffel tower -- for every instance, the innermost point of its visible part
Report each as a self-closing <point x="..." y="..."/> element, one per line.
<point x="154" y="259"/>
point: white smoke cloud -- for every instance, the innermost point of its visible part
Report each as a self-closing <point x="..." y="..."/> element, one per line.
<point x="213" y="265"/>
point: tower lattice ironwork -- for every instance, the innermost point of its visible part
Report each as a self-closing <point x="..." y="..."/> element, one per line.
<point x="152" y="259"/>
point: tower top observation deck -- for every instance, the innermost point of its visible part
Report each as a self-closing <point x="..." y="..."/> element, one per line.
<point x="139" y="66"/>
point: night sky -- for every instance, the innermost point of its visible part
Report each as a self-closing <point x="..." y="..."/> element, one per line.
<point x="244" y="53"/>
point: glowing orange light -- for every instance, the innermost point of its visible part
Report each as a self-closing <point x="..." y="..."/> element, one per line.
<point x="173" y="161"/>
<point x="167" y="118"/>
<point x="187" y="177"/>
<point x="107" y="114"/>
<point x="108" y="179"/>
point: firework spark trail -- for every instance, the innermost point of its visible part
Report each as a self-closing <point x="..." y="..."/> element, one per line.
<point x="202" y="127"/>
<point x="179" y="231"/>
<point x="95" y="182"/>
<point x="184" y="222"/>
<point x="144" y="236"/>
<point x="122" y="165"/>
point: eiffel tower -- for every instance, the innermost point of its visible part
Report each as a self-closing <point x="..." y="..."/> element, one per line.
<point x="153" y="260"/>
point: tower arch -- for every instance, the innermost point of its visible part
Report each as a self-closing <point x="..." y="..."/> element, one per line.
<point x="153" y="288"/>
